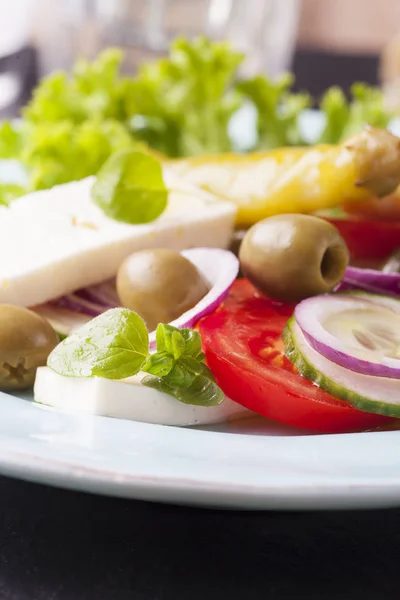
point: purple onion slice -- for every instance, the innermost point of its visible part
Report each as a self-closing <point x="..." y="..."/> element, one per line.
<point x="357" y="330"/>
<point x="220" y="269"/>
<point x="371" y="280"/>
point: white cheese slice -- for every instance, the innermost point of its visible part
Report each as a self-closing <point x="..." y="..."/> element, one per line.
<point x="56" y="241"/>
<point x="126" y="399"/>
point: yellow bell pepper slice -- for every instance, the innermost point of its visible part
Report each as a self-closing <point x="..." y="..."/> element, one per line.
<point x="299" y="180"/>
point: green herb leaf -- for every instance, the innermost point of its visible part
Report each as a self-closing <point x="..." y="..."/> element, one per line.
<point x="164" y="337"/>
<point x="159" y="364"/>
<point x="130" y="188"/>
<point x="202" y="391"/>
<point x="197" y="366"/>
<point x="178" y="344"/>
<point x="193" y="342"/>
<point x="180" y="375"/>
<point x="113" y="345"/>
<point x="178" y="369"/>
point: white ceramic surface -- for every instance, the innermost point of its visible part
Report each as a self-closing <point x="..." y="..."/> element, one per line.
<point x="197" y="467"/>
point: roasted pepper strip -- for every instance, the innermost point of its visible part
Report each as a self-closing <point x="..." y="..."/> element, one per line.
<point x="300" y="180"/>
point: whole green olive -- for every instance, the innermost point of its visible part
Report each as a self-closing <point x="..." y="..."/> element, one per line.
<point x="290" y="257"/>
<point x="160" y="285"/>
<point x="236" y="241"/>
<point x="26" y="340"/>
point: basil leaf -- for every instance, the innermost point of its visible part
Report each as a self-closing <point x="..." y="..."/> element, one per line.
<point x="201" y="392"/>
<point x="164" y="333"/>
<point x="193" y="342"/>
<point x="201" y="357"/>
<point x="163" y="339"/>
<point x="178" y="344"/>
<point x="180" y="375"/>
<point x="197" y="367"/>
<point x="113" y="345"/>
<point x="159" y="364"/>
<point x="130" y="188"/>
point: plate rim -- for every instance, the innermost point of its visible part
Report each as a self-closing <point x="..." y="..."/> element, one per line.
<point x="260" y="491"/>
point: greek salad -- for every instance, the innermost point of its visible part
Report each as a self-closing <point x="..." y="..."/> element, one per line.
<point x="158" y="286"/>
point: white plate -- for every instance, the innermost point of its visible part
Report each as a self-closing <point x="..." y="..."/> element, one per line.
<point x="278" y="470"/>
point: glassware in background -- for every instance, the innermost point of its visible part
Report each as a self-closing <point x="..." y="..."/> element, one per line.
<point x="265" y="30"/>
<point x="17" y="59"/>
<point x="389" y="73"/>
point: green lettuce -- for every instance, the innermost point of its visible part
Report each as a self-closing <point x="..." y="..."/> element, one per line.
<point x="180" y="105"/>
<point x="60" y="152"/>
<point x="93" y="91"/>
<point x="345" y="118"/>
<point x="277" y="110"/>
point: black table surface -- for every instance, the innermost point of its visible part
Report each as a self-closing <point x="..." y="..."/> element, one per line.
<point x="63" y="545"/>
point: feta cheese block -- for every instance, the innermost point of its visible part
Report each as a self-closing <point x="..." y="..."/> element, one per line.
<point x="127" y="399"/>
<point x="56" y="241"/>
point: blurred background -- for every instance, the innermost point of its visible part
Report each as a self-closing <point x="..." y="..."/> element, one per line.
<point x="323" y="42"/>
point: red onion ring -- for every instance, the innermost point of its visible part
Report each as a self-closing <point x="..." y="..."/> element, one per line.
<point x="371" y="280"/>
<point x="220" y="269"/>
<point x="311" y="314"/>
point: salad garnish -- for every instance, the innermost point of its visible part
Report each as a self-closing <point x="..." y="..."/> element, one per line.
<point x="115" y="345"/>
<point x="130" y="188"/>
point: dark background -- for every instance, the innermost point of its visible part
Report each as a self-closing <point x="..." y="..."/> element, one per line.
<point x="59" y="545"/>
<point x="315" y="70"/>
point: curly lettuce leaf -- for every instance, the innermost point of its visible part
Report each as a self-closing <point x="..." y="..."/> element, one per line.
<point x="278" y="110"/>
<point x="10" y="140"/>
<point x="181" y="105"/>
<point x="9" y="192"/>
<point x="93" y="91"/>
<point x="56" y="153"/>
<point x="345" y="118"/>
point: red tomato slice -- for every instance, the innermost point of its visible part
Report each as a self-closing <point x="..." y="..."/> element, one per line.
<point x="376" y="209"/>
<point x="243" y="347"/>
<point x="369" y="240"/>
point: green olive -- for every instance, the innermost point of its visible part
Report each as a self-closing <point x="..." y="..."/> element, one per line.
<point x="160" y="285"/>
<point x="291" y="257"/>
<point x="26" y="340"/>
<point x="236" y="241"/>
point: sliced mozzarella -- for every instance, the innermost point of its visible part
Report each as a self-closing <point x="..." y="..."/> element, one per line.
<point x="126" y="399"/>
<point x="56" y="241"/>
